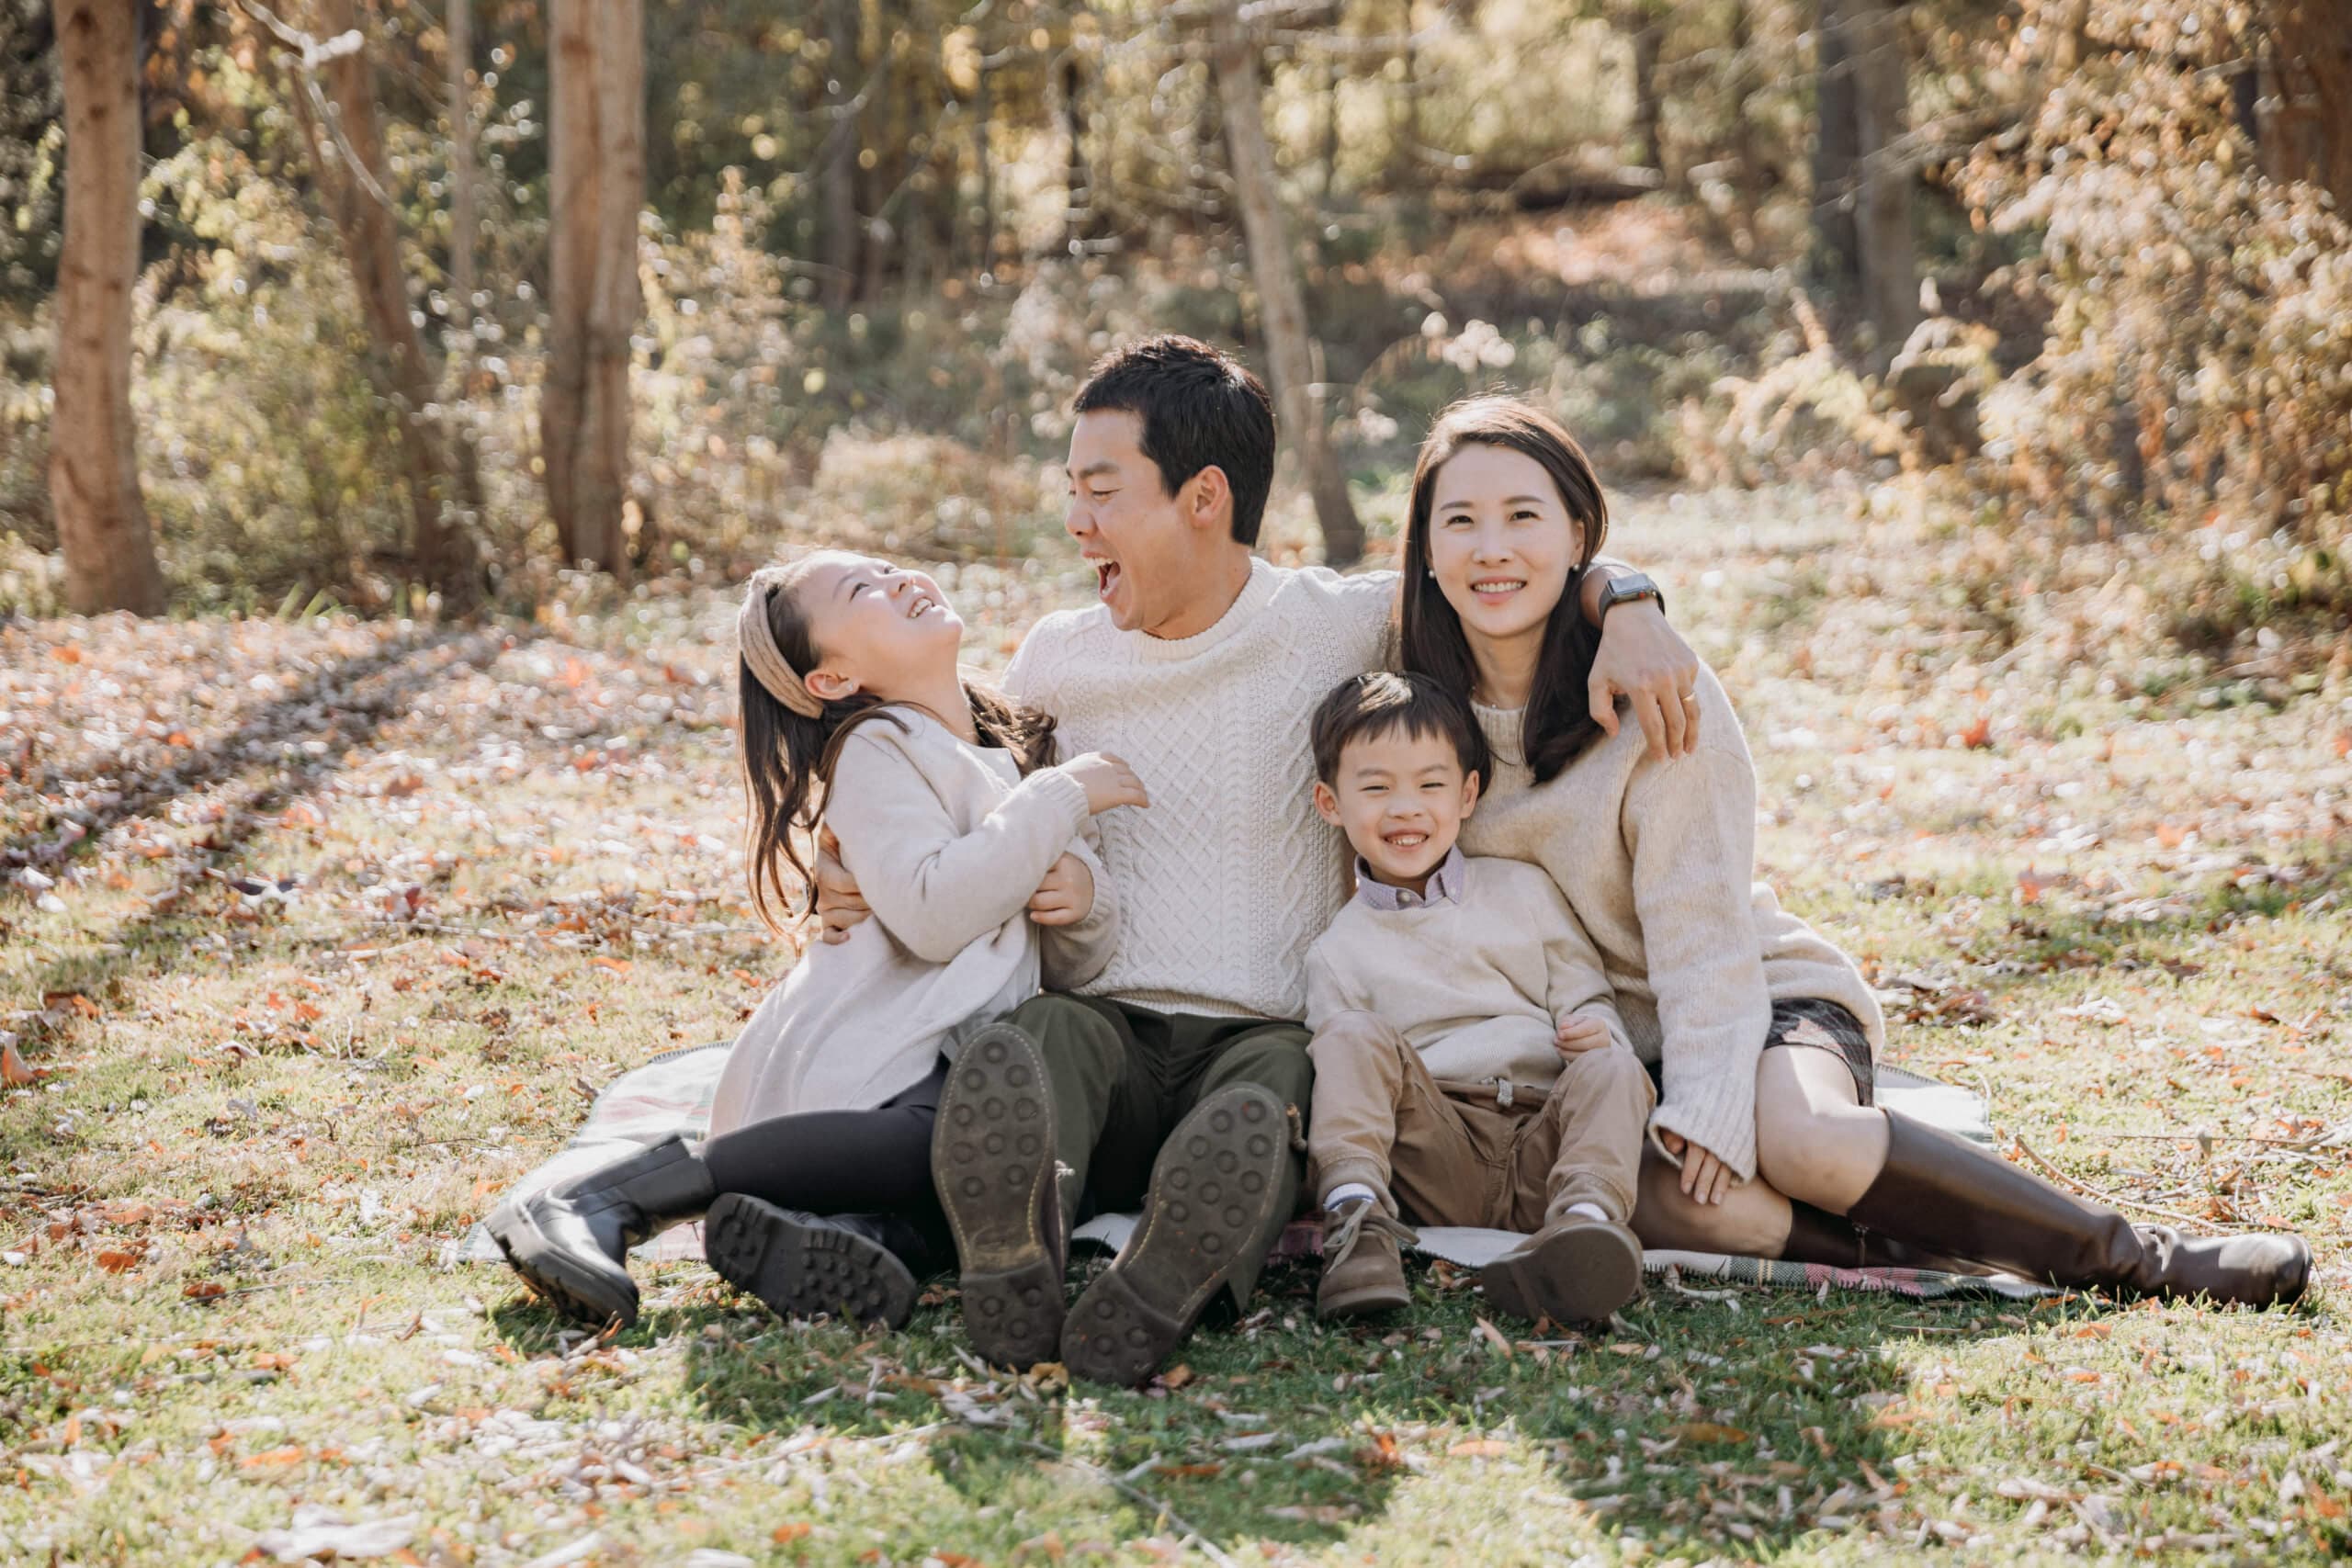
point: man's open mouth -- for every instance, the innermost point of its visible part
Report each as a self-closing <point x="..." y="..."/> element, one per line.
<point x="1106" y="578"/>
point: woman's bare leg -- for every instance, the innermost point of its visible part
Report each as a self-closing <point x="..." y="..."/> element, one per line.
<point x="1752" y="1221"/>
<point x="1815" y="1140"/>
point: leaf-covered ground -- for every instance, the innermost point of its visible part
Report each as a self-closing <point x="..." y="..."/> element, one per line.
<point x="315" y="935"/>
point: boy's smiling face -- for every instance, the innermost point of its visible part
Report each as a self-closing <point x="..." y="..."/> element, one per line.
<point x="1400" y="799"/>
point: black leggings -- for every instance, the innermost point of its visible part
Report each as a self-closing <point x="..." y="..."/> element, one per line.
<point x="873" y="1162"/>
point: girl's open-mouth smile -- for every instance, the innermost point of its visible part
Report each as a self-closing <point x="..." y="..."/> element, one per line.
<point x="1495" y="589"/>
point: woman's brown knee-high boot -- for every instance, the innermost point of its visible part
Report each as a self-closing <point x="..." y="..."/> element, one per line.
<point x="1946" y="1194"/>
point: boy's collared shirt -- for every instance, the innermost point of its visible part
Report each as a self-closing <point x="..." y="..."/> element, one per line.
<point x="1444" y="885"/>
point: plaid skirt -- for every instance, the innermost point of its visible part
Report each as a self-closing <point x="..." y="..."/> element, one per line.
<point x="1822" y="1026"/>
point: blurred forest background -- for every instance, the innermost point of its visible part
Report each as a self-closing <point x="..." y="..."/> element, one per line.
<point x="416" y="305"/>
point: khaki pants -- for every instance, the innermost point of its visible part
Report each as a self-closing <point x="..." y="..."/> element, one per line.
<point x="1450" y="1155"/>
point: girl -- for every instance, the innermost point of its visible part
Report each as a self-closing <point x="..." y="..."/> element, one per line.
<point x="1762" y="1032"/>
<point x="963" y="839"/>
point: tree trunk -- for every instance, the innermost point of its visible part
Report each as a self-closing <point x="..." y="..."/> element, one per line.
<point x="837" y="163"/>
<point x="463" y="238"/>
<point x="596" y="183"/>
<point x="1889" y="250"/>
<point x="93" y="466"/>
<point x="1282" y="308"/>
<point x="1078" y="180"/>
<point x="1644" y="32"/>
<point x="2311" y="46"/>
<point x="1837" y="241"/>
<point x="443" y="502"/>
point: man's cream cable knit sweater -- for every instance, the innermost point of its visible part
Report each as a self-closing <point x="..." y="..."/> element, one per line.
<point x="1658" y="859"/>
<point x="1228" y="876"/>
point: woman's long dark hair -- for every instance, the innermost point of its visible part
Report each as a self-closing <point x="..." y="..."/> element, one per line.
<point x="1558" y="724"/>
<point x="788" y="758"/>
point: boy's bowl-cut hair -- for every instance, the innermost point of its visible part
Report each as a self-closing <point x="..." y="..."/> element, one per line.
<point x="1366" y="708"/>
<point x="1200" y="408"/>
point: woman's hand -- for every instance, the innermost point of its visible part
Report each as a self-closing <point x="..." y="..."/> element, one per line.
<point x="1705" y="1179"/>
<point x="1065" y="897"/>
<point x="1643" y="659"/>
<point x="840" y="907"/>
<point x="1109" y="782"/>
<point x="1580" y="1034"/>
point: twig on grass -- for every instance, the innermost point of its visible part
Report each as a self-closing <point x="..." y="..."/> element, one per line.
<point x="1132" y="1493"/>
<point x="2088" y="1190"/>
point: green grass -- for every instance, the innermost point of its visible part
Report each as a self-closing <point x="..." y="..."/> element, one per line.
<point x="228" y="1198"/>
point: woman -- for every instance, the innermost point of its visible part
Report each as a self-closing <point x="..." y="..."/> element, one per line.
<point x="1762" y="1032"/>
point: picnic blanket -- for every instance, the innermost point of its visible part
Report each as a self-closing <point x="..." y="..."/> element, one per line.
<point x="671" y="1094"/>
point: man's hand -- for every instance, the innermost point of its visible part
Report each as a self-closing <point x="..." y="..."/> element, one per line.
<point x="1580" y="1034"/>
<point x="1705" y="1179"/>
<point x="839" y="905"/>
<point x="1065" y="897"/>
<point x="1643" y="659"/>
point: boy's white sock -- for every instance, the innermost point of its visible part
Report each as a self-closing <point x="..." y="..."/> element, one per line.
<point x="1590" y="1211"/>
<point x="1348" y="1193"/>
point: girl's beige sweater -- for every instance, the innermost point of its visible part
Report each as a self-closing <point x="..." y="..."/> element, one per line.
<point x="1658" y="861"/>
<point x="947" y="842"/>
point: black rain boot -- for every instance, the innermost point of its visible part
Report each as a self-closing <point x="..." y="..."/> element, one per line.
<point x="801" y="1265"/>
<point x="1942" y="1192"/>
<point x="572" y="1241"/>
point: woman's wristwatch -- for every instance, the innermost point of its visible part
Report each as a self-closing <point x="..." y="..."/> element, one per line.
<point x="1626" y="585"/>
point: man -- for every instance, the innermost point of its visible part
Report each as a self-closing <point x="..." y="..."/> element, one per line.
<point x="1179" y="1078"/>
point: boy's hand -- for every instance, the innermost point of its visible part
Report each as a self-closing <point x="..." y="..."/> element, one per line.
<point x="1065" y="897"/>
<point x="1580" y="1034"/>
<point x="1705" y="1179"/>
<point x="839" y="905"/>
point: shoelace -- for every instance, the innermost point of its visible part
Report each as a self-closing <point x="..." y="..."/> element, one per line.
<point x="1354" y="1220"/>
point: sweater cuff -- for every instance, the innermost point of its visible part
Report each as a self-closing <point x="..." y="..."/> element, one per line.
<point x="1055" y="785"/>
<point x="1720" y="1119"/>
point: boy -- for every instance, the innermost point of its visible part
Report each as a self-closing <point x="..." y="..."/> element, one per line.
<point x="1470" y="1066"/>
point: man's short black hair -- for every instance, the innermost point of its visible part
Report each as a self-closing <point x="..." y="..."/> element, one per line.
<point x="1366" y="707"/>
<point x="1200" y="408"/>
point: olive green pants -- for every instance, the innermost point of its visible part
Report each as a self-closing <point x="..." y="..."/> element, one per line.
<point x="1124" y="1075"/>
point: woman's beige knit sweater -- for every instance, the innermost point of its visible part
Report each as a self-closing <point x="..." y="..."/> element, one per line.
<point x="1658" y="861"/>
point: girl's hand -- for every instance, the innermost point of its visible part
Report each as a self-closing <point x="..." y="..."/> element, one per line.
<point x="1580" y="1034"/>
<point x="1065" y="897"/>
<point x="1109" y="782"/>
<point x="1705" y="1179"/>
<point x="840" y="907"/>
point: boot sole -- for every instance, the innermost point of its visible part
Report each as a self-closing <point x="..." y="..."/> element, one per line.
<point x="802" y="1270"/>
<point x="548" y="1269"/>
<point x="1211" y="1196"/>
<point x="1578" y="1276"/>
<point x="993" y="1161"/>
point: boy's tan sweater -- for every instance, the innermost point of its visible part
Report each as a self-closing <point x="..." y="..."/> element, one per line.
<point x="1658" y="859"/>
<point x="1477" y="983"/>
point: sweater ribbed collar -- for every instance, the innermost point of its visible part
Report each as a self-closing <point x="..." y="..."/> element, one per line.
<point x="1255" y="595"/>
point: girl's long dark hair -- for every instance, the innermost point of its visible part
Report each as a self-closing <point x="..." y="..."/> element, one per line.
<point x="788" y="758"/>
<point x="1558" y="723"/>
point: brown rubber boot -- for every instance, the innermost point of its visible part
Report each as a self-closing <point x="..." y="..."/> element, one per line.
<point x="1218" y="1200"/>
<point x="1944" y="1194"/>
<point x="1576" y="1269"/>
<point x="993" y="1161"/>
<point x="1817" y="1235"/>
<point x="1364" y="1266"/>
